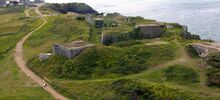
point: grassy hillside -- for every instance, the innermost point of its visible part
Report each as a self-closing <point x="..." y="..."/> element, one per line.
<point x="97" y="63"/>
<point x="156" y="69"/>
<point x="13" y="83"/>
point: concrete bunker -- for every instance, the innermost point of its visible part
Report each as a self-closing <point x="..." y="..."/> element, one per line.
<point x="96" y="20"/>
<point x="148" y="31"/>
<point x="71" y="50"/>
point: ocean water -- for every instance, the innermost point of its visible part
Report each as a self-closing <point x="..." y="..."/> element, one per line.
<point x="201" y="16"/>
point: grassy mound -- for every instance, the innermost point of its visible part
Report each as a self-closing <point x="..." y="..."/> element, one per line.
<point x="181" y="74"/>
<point x="132" y="90"/>
<point x="103" y="61"/>
<point x="214" y="59"/>
<point x="214" y="77"/>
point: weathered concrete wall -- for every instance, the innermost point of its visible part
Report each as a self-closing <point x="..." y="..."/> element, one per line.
<point x="69" y="52"/>
<point x="89" y="19"/>
<point x="113" y="37"/>
<point x="203" y="50"/>
<point x="98" y="22"/>
<point x="149" y="31"/>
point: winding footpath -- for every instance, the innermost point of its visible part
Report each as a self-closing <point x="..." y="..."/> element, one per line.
<point x="18" y="56"/>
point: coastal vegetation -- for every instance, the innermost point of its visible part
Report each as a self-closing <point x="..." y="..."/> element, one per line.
<point x="163" y="68"/>
<point x="80" y="8"/>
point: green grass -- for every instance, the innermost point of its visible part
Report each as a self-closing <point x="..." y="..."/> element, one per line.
<point x="181" y="74"/>
<point x="13" y="83"/>
<point x="33" y="13"/>
<point x="95" y="65"/>
<point x="60" y="29"/>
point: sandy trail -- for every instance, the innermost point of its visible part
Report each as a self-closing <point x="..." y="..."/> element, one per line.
<point x="18" y="56"/>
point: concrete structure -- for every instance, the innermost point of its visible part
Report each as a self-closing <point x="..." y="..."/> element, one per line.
<point x="44" y="56"/>
<point x="2" y="3"/>
<point x="17" y="2"/>
<point x="148" y="31"/>
<point x="168" y="26"/>
<point x="108" y="38"/>
<point x="12" y="2"/>
<point x="186" y="34"/>
<point x="25" y="2"/>
<point x="96" y="20"/>
<point x="203" y="49"/>
<point x="71" y="50"/>
<point x="39" y="1"/>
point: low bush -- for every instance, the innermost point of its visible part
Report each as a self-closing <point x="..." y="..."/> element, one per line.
<point x="93" y="63"/>
<point x="181" y="74"/>
<point x="191" y="51"/>
<point x="214" y="59"/>
<point x="132" y="90"/>
<point x="126" y="43"/>
<point x="214" y="77"/>
<point x="128" y="89"/>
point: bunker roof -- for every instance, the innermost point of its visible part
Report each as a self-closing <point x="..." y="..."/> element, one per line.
<point x="77" y="44"/>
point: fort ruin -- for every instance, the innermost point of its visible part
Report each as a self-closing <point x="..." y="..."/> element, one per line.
<point x="148" y="31"/>
<point x="71" y="50"/>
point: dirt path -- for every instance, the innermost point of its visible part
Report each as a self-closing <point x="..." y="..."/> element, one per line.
<point x="18" y="56"/>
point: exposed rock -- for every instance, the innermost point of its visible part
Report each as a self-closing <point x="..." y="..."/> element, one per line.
<point x="80" y="8"/>
<point x="204" y="49"/>
<point x="44" y="56"/>
<point x="71" y="50"/>
<point x="186" y="34"/>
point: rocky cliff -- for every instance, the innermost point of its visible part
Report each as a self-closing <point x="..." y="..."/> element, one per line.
<point x="80" y="8"/>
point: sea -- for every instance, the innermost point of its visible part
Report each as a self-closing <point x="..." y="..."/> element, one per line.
<point x="201" y="16"/>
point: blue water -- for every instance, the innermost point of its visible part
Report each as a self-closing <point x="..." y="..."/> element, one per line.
<point x="201" y="16"/>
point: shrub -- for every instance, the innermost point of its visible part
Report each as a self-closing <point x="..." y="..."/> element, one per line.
<point x="81" y="18"/>
<point x="181" y="74"/>
<point x="104" y="62"/>
<point x="214" y="59"/>
<point x="126" y="43"/>
<point x="132" y="90"/>
<point x="191" y="51"/>
<point x="214" y="77"/>
<point x="94" y="62"/>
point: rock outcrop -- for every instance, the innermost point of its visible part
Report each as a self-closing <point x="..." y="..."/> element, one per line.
<point x="80" y="8"/>
<point x="186" y="34"/>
